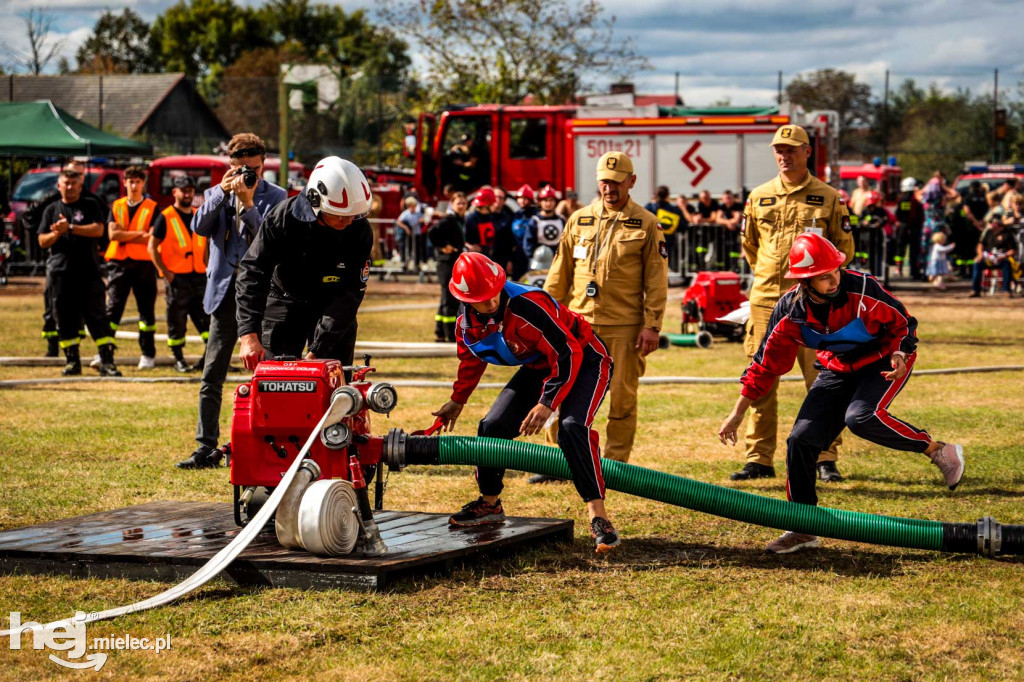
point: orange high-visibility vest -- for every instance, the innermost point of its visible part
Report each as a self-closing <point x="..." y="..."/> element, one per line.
<point x="181" y="250"/>
<point x="139" y="223"/>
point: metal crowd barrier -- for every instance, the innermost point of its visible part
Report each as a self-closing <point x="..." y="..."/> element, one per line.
<point x="692" y="249"/>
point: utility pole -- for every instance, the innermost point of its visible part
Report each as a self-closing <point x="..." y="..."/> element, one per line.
<point x="779" y="98"/>
<point x="380" y="117"/>
<point x="995" y="113"/>
<point x="885" y="120"/>
<point x="282" y="113"/>
<point x="677" y="88"/>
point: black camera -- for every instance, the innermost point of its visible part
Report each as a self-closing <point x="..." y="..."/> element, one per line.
<point x="249" y="176"/>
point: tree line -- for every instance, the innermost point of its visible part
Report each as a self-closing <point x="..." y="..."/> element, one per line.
<point x="478" y="51"/>
<point x="925" y="128"/>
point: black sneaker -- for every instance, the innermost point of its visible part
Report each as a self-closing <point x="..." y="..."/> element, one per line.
<point x="477" y="513"/>
<point x="109" y="369"/>
<point x="544" y="478"/>
<point x="202" y="458"/>
<point x="181" y="366"/>
<point x="604" y="535"/>
<point x="752" y="470"/>
<point x="73" y="368"/>
<point x="828" y="472"/>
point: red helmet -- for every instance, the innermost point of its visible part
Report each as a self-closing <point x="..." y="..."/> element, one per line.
<point x="547" y="193"/>
<point x="475" y="278"/>
<point x="872" y="198"/>
<point x="525" y="192"/>
<point x="812" y="255"/>
<point x="484" y="197"/>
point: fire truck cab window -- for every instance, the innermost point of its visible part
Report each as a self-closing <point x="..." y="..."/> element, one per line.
<point x="528" y="138"/>
<point x="466" y="164"/>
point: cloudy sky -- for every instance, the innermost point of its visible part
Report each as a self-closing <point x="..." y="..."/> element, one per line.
<point x="733" y="49"/>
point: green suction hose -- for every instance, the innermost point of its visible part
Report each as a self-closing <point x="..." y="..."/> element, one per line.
<point x="699" y="340"/>
<point x="986" y="537"/>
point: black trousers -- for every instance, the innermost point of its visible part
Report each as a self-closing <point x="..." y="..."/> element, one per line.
<point x="75" y="297"/>
<point x="858" y="401"/>
<point x="139" y="278"/>
<point x="910" y="239"/>
<point x="49" y="320"/>
<point x="288" y="326"/>
<point x="448" y="309"/>
<point x="185" y="300"/>
<point x="222" y="340"/>
<point x="578" y="441"/>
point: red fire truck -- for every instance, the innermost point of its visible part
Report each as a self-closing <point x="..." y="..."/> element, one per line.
<point x="208" y="170"/>
<point x="884" y="179"/>
<point x="686" y="149"/>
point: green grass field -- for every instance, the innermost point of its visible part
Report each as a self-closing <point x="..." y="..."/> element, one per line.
<point x="687" y="595"/>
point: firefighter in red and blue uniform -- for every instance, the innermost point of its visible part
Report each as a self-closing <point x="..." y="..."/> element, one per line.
<point x="563" y="367"/>
<point x="866" y="344"/>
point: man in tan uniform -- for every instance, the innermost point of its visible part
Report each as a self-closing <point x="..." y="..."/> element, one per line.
<point x="776" y="212"/>
<point x="611" y="267"/>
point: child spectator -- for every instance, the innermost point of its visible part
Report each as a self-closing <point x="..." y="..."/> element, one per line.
<point x="938" y="262"/>
<point x="406" y="227"/>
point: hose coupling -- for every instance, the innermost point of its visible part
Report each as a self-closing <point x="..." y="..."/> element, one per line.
<point x="394" y="449"/>
<point x="990" y="537"/>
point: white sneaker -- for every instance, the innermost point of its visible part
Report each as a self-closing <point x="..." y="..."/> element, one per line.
<point x="146" y="362"/>
<point x="792" y="542"/>
<point x="96" y="361"/>
<point x="950" y="460"/>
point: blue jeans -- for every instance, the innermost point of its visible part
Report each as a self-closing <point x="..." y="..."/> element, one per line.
<point x="979" y="269"/>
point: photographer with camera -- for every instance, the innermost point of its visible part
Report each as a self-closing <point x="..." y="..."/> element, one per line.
<point x="229" y="218"/>
<point x="301" y="284"/>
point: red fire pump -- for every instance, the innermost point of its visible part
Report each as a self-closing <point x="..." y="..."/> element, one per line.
<point x="712" y="296"/>
<point x="275" y="413"/>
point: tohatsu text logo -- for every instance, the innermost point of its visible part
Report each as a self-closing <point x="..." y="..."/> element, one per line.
<point x="287" y="387"/>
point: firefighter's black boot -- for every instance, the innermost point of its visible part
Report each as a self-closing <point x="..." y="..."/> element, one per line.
<point x="74" y="365"/>
<point x="449" y="332"/>
<point x="52" y="347"/>
<point x="107" y="366"/>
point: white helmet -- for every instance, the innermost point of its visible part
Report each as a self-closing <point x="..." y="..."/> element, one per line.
<point x="908" y="185"/>
<point x="338" y="187"/>
<point x="542" y="258"/>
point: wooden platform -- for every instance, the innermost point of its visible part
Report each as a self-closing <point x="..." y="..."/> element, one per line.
<point x="168" y="541"/>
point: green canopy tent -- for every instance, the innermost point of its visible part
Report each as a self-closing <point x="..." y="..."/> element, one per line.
<point x="42" y="129"/>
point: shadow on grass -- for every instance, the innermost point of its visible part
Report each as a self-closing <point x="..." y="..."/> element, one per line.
<point x="903" y="493"/>
<point x="651" y="554"/>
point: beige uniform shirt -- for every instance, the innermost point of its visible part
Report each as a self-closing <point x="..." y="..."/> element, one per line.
<point x="624" y="255"/>
<point x="774" y="216"/>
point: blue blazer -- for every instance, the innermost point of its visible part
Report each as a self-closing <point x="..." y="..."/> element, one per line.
<point x="215" y="220"/>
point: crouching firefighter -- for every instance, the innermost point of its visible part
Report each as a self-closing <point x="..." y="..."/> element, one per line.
<point x="865" y="342"/>
<point x="564" y="366"/>
<point x="303" y="278"/>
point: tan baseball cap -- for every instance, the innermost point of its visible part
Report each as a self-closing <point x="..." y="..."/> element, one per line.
<point x="791" y="134"/>
<point x="614" y="166"/>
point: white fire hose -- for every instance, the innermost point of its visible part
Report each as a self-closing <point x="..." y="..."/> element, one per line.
<point x="341" y="404"/>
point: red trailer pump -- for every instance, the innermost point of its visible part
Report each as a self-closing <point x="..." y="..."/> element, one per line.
<point x="275" y="412"/>
<point x="712" y="296"/>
